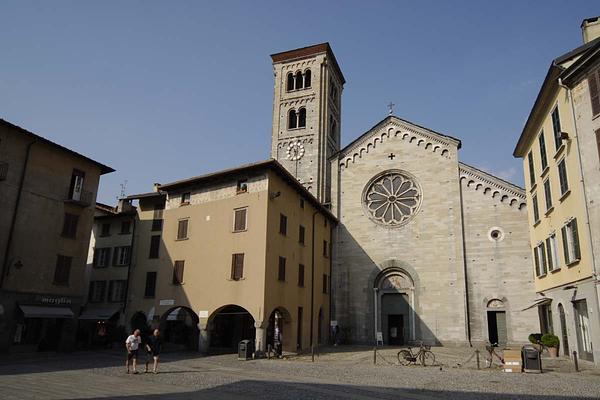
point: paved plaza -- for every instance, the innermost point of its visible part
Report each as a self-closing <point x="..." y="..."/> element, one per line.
<point x="347" y="373"/>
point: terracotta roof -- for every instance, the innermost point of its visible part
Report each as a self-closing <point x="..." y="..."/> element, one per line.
<point x="103" y="168"/>
<point x="308" y="51"/>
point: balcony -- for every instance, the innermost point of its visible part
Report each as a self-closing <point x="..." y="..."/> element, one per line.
<point x="3" y="170"/>
<point x="82" y="198"/>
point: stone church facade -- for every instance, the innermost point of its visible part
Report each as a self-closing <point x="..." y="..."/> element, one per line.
<point x="426" y="248"/>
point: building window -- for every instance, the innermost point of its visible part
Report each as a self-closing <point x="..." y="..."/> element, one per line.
<point x="70" y="226"/>
<point x="556" y="128"/>
<point x="237" y="266"/>
<point x="116" y="291"/>
<point x="548" y="195"/>
<point x="282" y="224"/>
<point x="325" y="248"/>
<point x="76" y="187"/>
<point x="242" y="186"/>
<point x="552" y="253"/>
<point x="182" y="229"/>
<point x="536" y="209"/>
<point x="97" y="290"/>
<point x="105" y="231"/>
<point x="290" y="82"/>
<point x="150" y="289"/>
<point x="301" y="275"/>
<point x="239" y="219"/>
<point x="154" y="246"/>
<point x="302" y="118"/>
<point x="307" y="78"/>
<point x="122" y="256"/>
<point x="332" y="126"/>
<point x="301" y="234"/>
<point x="594" y="86"/>
<point x="62" y="270"/>
<point x="157" y="225"/>
<point x="325" y="283"/>
<point x="540" y="260"/>
<point x="570" y="238"/>
<point x="125" y="227"/>
<point x="299" y="81"/>
<point x="562" y="176"/>
<point x="185" y="198"/>
<point x="531" y="169"/>
<point x="546" y="325"/>
<point x="292" y="119"/>
<point x="101" y="257"/>
<point x="281" y="271"/>
<point x="543" y="157"/>
<point x="178" y="272"/>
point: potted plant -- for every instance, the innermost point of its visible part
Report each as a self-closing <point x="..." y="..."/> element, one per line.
<point x="551" y="342"/>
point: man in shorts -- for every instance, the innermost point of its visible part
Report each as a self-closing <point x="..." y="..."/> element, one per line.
<point x="132" y="344"/>
<point x="153" y="347"/>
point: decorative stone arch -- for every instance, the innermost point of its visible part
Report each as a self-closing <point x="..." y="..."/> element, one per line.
<point x="496" y="302"/>
<point x="175" y="328"/>
<point x="395" y="277"/>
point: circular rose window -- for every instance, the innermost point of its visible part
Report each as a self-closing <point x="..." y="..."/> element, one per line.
<point x="392" y="198"/>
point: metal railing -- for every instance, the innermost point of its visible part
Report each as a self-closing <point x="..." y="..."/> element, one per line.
<point x="83" y="198"/>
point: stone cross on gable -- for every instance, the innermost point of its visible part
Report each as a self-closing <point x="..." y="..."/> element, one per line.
<point x="391" y="108"/>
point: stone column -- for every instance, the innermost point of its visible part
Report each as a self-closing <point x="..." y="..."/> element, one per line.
<point x="204" y="335"/>
<point x="260" y="341"/>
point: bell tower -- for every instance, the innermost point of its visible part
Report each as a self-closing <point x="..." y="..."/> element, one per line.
<point x="307" y="110"/>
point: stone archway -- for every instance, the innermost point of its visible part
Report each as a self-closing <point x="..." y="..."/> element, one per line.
<point x="394" y="306"/>
<point x="497" y="324"/>
<point x="227" y="326"/>
<point x="179" y="327"/>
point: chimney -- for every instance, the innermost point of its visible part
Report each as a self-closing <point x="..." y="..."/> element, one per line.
<point x="156" y="186"/>
<point x="124" y="206"/>
<point x="590" y="28"/>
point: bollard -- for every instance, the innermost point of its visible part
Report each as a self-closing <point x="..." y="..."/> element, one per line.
<point x="477" y="356"/>
<point x="374" y="355"/>
<point x="575" y="361"/>
<point x="312" y="351"/>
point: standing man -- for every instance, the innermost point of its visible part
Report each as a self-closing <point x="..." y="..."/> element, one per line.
<point x="154" y="347"/>
<point x="132" y="345"/>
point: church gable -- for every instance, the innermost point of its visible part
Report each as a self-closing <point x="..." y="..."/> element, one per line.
<point x="491" y="186"/>
<point x="394" y="128"/>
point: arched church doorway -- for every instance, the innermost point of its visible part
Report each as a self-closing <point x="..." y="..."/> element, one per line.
<point x="179" y="327"/>
<point x="496" y="317"/>
<point x="394" y="299"/>
<point x="228" y="326"/>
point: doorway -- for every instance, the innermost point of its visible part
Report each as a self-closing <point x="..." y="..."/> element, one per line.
<point x="395" y="329"/>
<point x="497" y="332"/>
<point x="582" y="321"/>
<point x="563" y="329"/>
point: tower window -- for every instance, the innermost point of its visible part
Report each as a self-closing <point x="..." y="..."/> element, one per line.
<point x="302" y="118"/>
<point x="307" y="78"/>
<point x="299" y="80"/>
<point x="292" y="119"/>
<point x="332" y="126"/>
<point x="290" y="82"/>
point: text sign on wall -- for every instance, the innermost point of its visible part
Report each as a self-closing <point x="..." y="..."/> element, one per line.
<point x="167" y="302"/>
<point x="203" y="314"/>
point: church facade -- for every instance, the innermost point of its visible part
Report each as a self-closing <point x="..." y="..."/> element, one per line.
<point x="427" y="248"/>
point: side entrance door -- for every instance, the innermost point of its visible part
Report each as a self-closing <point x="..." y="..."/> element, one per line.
<point x="582" y="321"/>
<point x="497" y="332"/>
<point x="395" y="329"/>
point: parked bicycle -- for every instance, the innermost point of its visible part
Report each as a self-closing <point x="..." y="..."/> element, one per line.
<point x="424" y="356"/>
<point x="491" y="349"/>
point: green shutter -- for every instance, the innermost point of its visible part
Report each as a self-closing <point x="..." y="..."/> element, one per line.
<point x="593" y="79"/>
<point x="549" y="253"/>
<point x="544" y="265"/>
<point x="565" y="244"/>
<point x="537" y="261"/>
<point x="576" y="249"/>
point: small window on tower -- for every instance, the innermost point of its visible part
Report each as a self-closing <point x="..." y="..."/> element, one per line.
<point x="299" y="80"/>
<point x="307" y="78"/>
<point x="290" y="82"/>
<point x="292" y="120"/>
<point x="302" y="118"/>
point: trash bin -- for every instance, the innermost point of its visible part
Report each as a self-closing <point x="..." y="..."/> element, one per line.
<point x="245" y="349"/>
<point x="532" y="362"/>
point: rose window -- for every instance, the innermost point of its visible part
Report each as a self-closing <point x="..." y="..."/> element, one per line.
<point x="392" y="198"/>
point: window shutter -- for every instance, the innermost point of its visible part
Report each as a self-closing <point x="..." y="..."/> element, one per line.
<point x="565" y="244"/>
<point x="115" y="258"/>
<point x="178" y="273"/>
<point x="593" y="82"/>
<point x="598" y="142"/>
<point x="576" y="250"/>
<point x="536" y="257"/>
<point x="95" y="262"/>
<point x="549" y="253"/>
<point x="544" y="265"/>
<point x="240" y="220"/>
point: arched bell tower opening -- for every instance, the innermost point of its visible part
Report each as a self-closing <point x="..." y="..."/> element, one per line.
<point x="394" y="299"/>
<point x="307" y="114"/>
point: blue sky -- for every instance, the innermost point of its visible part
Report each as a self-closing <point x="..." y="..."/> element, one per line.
<point x="166" y="90"/>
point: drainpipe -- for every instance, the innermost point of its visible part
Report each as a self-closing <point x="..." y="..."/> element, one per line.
<point x="130" y="264"/>
<point x="312" y="279"/>
<point x="465" y="269"/>
<point x="587" y="212"/>
<point x="13" y="223"/>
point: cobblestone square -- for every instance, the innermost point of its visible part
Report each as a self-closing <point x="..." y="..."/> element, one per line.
<point x="346" y="373"/>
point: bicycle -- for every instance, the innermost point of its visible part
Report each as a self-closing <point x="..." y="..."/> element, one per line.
<point x="491" y="349"/>
<point x="424" y="356"/>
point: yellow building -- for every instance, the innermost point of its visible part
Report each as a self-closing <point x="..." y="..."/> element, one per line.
<point x="561" y="240"/>
<point x="47" y="197"/>
<point x="230" y="256"/>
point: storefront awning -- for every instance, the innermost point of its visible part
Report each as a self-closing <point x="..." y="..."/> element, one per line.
<point x="99" y="314"/>
<point x="538" y="302"/>
<point x="46" y="312"/>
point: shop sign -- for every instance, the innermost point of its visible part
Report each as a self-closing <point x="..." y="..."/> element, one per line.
<point x="55" y="300"/>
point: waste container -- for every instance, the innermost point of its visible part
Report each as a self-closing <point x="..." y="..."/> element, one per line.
<point x="532" y="362"/>
<point x="245" y="349"/>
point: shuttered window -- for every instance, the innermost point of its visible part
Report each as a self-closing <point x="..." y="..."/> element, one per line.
<point x="556" y="128"/>
<point x="178" y="272"/>
<point x="182" y="229"/>
<point x="281" y="271"/>
<point x="548" y="194"/>
<point x="301" y="275"/>
<point x="536" y="208"/>
<point x="70" y="226"/>
<point x="102" y="257"/>
<point x="562" y="176"/>
<point x="116" y="291"/>
<point x="239" y="219"/>
<point x="282" y="224"/>
<point x="531" y="169"/>
<point x="594" y="86"/>
<point x="570" y="237"/>
<point x="62" y="271"/>
<point x="543" y="157"/>
<point x="552" y="253"/>
<point x="122" y="255"/>
<point x="301" y="234"/>
<point x="97" y="291"/>
<point x="154" y="246"/>
<point x="237" y="266"/>
<point x="540" y="260"/>
<point x="150" y="290"/>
